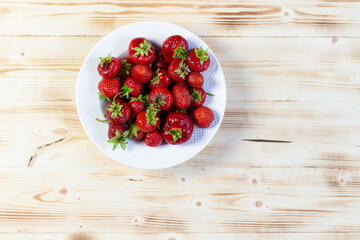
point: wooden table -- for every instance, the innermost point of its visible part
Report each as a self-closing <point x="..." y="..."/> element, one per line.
<point x="284" y="165"/>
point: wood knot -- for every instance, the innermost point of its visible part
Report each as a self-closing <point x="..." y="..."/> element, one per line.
<point x="22" y="54"/>
<point x="183" y="179"/>
<point x="287" y="14"/>
<point x="355" y="79"/>
<point x="137" y="221"/>
<point x="254" y="181"/>
<point x="198" y="203"/>
<point x="63" y="191"/>
<point x="334" y="40"/>
<point x="259" y="204"/>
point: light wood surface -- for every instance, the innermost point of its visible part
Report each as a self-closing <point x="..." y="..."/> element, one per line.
<point x="285" y="163"/>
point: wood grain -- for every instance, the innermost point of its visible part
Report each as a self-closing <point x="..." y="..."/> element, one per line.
<point x="214" y="18"/>
<point x="284" y="164"/>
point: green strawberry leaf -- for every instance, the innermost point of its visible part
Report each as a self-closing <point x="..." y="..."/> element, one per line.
<point x="133" y="130"/>
<point x="102" y="96"/>
<point x="119" y="139"/>
<point x="140" y="98"/>
<point x="115" y="109"/>
<point x="180" y="52"/>
<point x="182" y="70"/>
<point x="176" y="134"/>
<point x="151" y="117"/>
<point x="125" y="91"/>
<point x="181" y="110"/>
<point x="143" y="49"/>
<point x="146" y="100"/>
<point x="125" y="67"/>
<point x="196" y="96"/>
<point x="156" y="79"/>
<point x="104" y="62"/>
<point x="201" y="54"/>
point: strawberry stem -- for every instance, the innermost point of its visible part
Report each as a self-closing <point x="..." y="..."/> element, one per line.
<point x="99" y="120"/>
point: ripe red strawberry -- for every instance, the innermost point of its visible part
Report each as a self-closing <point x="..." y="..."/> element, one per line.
<point x="118" y="111"/>
<point x="135" y="133"/>
<point x="177" y="128"/>
<point x="170" y="46"/>
<point x="198" y="97"/>
<point x="108" y="88"/>
<point x="195" y="79"/>
<point x="178" y="70"/>
<point x="148" y="121"/>
<point x="136" y="105"/>
<point x="198" y="60"/>
<point x="131" y="88"/>
<point x="126" y="67"/>
<point x="141" y="73"/>
<point x="160" y="62"/>
<point x="161" y="98"/>
<point x="153" y="139"/>
<point x="182" y="96"/>
<point x="109" y="66"/>
<point x="203" y="117"/>
<point x="141" y="51"/>
<point x="117" y="134"/>
<point x="161" y="79"/>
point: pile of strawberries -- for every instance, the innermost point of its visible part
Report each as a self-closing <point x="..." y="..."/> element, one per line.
<point x="151" y="96"/>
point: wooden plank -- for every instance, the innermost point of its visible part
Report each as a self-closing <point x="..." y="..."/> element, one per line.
<point x="207" y="18"/>
<point x="235" y="200"/>
<point x="275" y="93"/>
<point x="82" y="235"/>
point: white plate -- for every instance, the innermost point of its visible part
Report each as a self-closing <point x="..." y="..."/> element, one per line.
<point x="89" y="106"/>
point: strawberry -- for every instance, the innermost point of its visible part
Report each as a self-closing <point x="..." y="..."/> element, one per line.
<point x="198" y="97"/>
<point x="108" y="88"/>
<point x="174" y="45"/>
<point x="141" y="73"/>
<point x="148" y="121"/>
<point x="135" y="133"/>
<point x="131" y="88"/>
<point x="141" y="51"/>
<point x="178" y="70"/>
<point x="117" y="134"/>
<point x="160" y="62"/>
<point x="161" y="98"/>
<point x="195" y="79"/>
<point x="203" y="117"/>
<point x="161" y="79"/>
<point x="177" y="128"/>
<point x="182" y="96"/>
<point x="198" y="60"/>
<point x="153" y="139"/>
<point x="136" y="105"/>
<point x="118" y="111"/>
<point x="109" y="66"/>
<point x="126" y="67"/>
